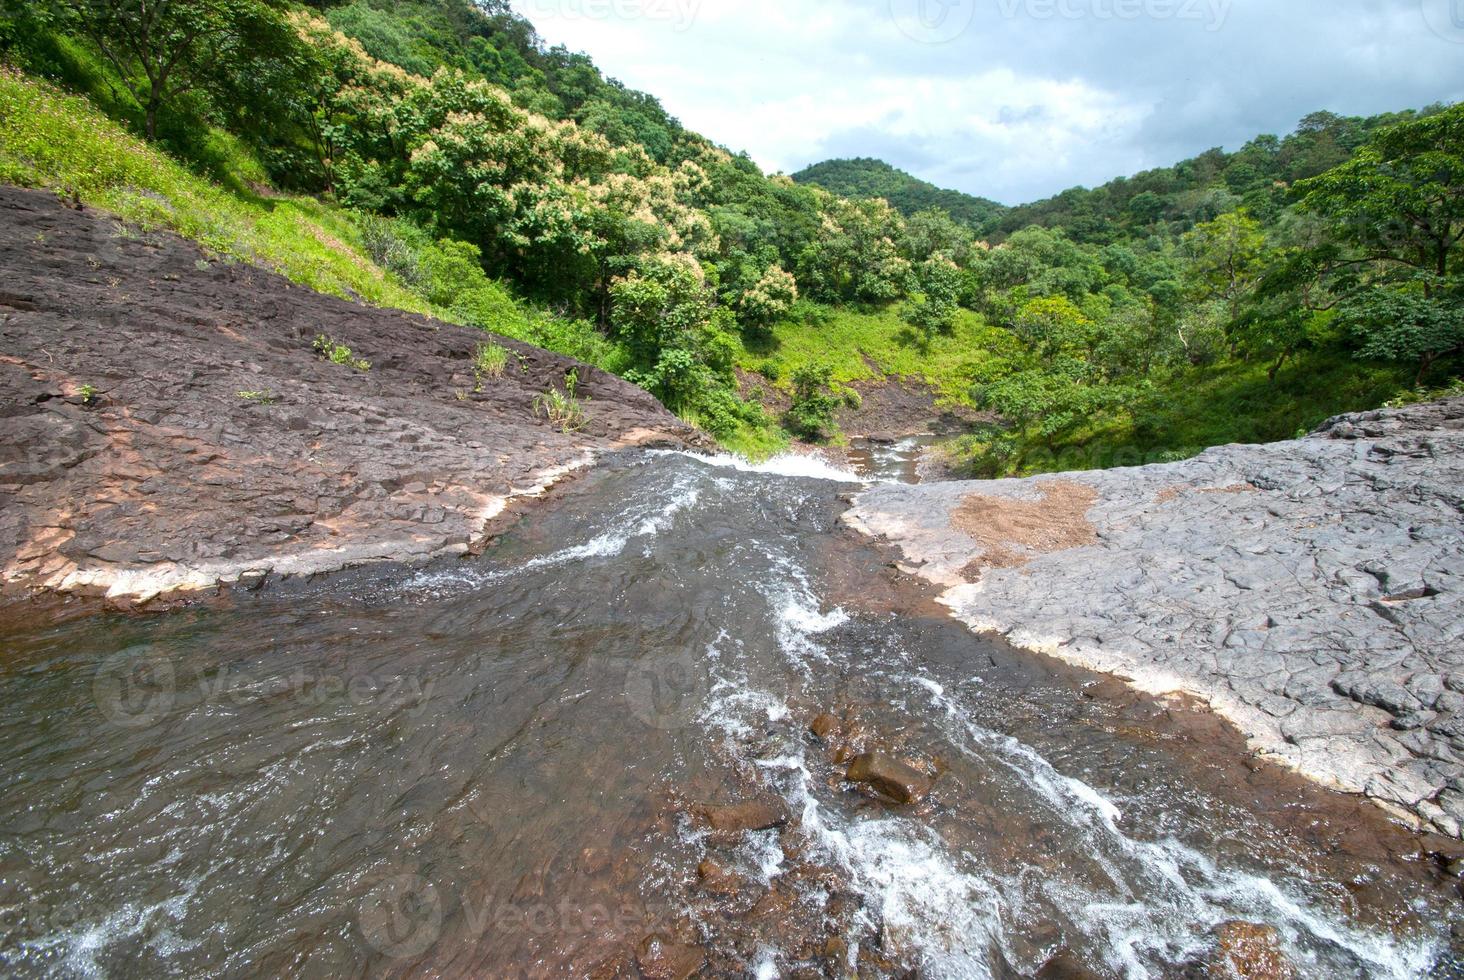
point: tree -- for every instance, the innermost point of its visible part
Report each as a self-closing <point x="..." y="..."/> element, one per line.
<point x="1226" y="259"/>
<point x="175" y="45"/>
<point x="933" y="232"/>
<point x="855" y="257"/>
<point x="1400" y="200"/>
<point x="1046" y="406"/>
<point x="939" y="283"/>
<point x="660" y="306"/>
<point x="811" y="414"/>
<point x="771" y="297"/>
<point x="1052" y="325"/>
<point x="1404" y="324"/>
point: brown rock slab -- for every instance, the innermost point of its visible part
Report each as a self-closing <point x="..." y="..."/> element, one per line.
<point x="889" y="776"/>
<point x="739" y="818"/>
<point x="220" y="444"/>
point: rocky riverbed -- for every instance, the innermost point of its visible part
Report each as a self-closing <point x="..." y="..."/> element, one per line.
<point x="1311" y="591"/>
<point x="169" y="423"/>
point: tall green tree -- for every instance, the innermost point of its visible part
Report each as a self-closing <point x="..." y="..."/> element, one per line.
<point x="163" y="49"/>
<point x="1400" y="200"/>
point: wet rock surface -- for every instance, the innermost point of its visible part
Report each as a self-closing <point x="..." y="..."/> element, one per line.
<point x="1310" y="590"/>
<point x="889" y="776"/>
<point x="168" y="424"/>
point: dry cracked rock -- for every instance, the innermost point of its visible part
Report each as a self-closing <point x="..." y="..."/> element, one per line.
<point x="1311" y="591"/>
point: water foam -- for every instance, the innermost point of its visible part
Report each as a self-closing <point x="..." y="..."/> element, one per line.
<point x="640" y="520"/>
<point x="803" y="465"/>
<point x="1154" y="901"/>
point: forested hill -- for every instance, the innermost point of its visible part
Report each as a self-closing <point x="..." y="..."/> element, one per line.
<point x="1258" y="177"/>
<point x="437" y="156"/>
<point x="864" y="178"/>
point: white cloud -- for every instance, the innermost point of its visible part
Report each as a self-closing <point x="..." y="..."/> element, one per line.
<point x="1057" y="93"/>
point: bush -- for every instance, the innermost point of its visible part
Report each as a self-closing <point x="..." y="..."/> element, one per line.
<point x="811" y="415"/>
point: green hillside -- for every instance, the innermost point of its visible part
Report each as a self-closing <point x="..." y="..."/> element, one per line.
<point x="437" y="155"/>
<point x="866" y="178"/>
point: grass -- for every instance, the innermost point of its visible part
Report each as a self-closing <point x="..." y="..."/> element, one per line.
<point x="56" y="141"/>
<point x="868" y="345"/>
<point x="338" y="353"/>
<point x="563" y="408"/>
<point x="490" y="361"/>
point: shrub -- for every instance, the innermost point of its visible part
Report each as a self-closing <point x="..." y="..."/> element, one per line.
<point x="338" y="353"/>
<point x="811" y="415"/>
<point x="563" y="408"/>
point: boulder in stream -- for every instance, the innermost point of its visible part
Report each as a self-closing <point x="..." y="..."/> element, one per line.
<point x="890" y="777"/>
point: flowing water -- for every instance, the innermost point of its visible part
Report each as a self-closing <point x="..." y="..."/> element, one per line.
<point x="499" y="767"/>
<point x="897" y="460"/>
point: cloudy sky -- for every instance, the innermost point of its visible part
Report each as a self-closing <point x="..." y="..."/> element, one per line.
<point x="1012" y="99"/>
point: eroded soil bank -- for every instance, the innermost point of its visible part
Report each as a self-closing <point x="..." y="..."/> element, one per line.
<point x="169" y="424"/>
<point x="1310" y="590"/>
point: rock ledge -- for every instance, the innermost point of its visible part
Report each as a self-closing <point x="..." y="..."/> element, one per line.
<point x="168" y="424"/>
<point x="1312" y="592"/>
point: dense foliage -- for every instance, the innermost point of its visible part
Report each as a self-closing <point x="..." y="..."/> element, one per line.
<point x="506" y="184"/>
<point x="908" y="194"/>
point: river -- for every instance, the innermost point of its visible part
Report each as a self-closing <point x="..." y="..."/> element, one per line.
<point x="503" y="766"/>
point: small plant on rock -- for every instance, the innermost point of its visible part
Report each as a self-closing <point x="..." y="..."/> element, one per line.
<point x="489" y="361"/>
<point x="338" y="353"/>
<point x="87" y="393"/>
<point x="563" y="408"/>
<point x="265" y="397"/>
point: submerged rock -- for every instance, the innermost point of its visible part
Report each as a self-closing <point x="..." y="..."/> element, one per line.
<point x="824" y="725"/>
<point x="740" y="818"/>
<point x="661" y="959"/>
<point x="1066" y="965"/>
<point x="1247" y="951"/>
<point x="890" y="777"/>
<point x="717" y="878"/>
